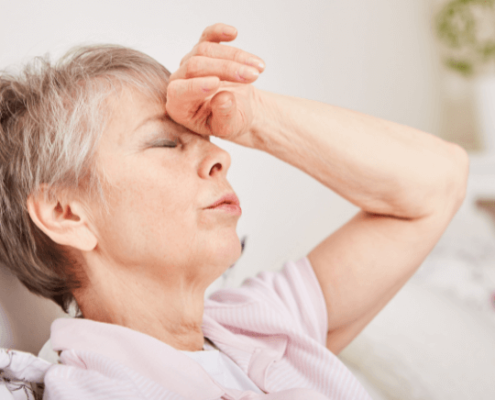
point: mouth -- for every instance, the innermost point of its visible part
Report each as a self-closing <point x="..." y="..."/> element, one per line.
<point x="229" y="203"/>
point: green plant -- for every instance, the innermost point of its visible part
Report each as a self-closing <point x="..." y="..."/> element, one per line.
<point x="459" y="26"/>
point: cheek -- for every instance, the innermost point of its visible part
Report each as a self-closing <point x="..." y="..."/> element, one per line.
<point x="149" y="215"/>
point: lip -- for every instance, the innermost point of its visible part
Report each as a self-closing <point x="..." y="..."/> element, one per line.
<point x="228" y="202"/>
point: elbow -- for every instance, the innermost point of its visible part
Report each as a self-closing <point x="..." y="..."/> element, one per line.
<point x="437" y="187"/>
<point x="448" y="188"/>
<point x="459" y="175"/>
<point x="464" y="165"/>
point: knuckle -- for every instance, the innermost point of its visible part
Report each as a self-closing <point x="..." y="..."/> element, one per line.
<point x="205" y="33"/>
<point x="176" y="75"/>
<point x="171" y="92"/>
<point x="230" y="69"/>
<point x="185" y="58"/>
<point x="208" y="31"/>
<point x="238" y="54"/>
<point x="191" y="67"/>
<point x="204" y="49"/>
<point x="191" y="86"/>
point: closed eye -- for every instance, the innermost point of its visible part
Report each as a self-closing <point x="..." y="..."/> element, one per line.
<point x="165" y="143"/>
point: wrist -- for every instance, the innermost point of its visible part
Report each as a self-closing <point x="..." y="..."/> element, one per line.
<point x="264" y="116"/>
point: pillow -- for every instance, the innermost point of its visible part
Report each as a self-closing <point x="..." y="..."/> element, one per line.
<point x="462" y="264"/>
<point x="425" y="345"/>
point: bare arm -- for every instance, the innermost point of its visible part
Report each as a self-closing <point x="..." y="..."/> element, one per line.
<point x="408" y="183"/>
<point x="380" y="166"/>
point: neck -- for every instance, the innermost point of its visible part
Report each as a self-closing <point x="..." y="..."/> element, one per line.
<point x="170" y="312"/>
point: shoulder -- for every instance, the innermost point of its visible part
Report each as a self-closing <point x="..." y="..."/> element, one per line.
<point x="86" y="375"/>
<point x="287" y="301"/>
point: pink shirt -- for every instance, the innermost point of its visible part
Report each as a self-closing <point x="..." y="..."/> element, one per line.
<point x="273" y="327"/>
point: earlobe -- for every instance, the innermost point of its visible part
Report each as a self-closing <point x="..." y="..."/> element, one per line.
<point x="65" y="224"/>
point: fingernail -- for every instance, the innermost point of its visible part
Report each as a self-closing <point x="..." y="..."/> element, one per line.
<point x="228" y="31"/>
<point x="255" y="63"/>
<point x="248" y="73"/>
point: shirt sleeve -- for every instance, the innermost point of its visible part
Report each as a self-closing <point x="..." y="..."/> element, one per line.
<point x="293" y="293"/>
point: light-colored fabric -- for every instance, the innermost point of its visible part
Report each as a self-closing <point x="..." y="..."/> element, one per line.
<point x="273" y="327"/>
<point x="222" y="369"/>
<point x="21" y="375"/>
<point x="426" y="345"/>
<point x="46" y="353"/>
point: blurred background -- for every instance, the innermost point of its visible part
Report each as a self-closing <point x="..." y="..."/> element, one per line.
<point x="422" y="63"/>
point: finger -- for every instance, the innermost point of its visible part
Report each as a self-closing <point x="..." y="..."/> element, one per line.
<point x="231" y="71"/>
<point x="214" y="33"/>
<point x="223" y="121"/>
<point x="218" y="33"/>
<point x="215" y="50"/>
<point x="186" y="94"/>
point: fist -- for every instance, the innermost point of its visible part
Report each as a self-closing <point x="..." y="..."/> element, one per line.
<point x="211" y="92"/>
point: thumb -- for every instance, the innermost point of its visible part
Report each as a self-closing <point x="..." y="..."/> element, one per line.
<point x="223" y="115"/>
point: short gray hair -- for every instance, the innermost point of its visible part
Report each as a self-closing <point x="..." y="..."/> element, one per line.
<point x="52" y="116"/>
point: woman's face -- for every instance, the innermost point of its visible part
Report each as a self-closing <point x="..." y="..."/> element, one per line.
<point x="164" y="177"/>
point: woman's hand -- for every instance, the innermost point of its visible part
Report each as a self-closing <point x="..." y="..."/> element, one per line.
<point x="210" y="93"/>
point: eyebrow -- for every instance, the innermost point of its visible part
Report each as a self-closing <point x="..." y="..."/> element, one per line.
<point x="158" y="117"/>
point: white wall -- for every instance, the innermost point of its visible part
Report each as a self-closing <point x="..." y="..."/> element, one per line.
<point x="376" y="57"/>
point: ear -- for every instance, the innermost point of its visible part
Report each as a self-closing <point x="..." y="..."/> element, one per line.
<point x="65" y="222"/>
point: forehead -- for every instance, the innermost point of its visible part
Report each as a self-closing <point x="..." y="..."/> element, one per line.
<point x="130" y="109"/>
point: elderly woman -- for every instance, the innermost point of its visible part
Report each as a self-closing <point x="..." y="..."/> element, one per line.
<point x="114" y="199"/>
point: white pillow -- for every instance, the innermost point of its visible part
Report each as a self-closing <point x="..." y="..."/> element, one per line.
<point x="425" y="345"/>
<point x="462" y="264"/>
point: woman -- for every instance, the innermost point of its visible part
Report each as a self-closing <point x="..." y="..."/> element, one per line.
<point x="114" y="197"/>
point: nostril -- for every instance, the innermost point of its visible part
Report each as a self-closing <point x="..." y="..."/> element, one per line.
<point x="217" y="166"/>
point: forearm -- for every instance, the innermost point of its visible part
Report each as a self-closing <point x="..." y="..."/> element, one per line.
<point x="380" y="166"/>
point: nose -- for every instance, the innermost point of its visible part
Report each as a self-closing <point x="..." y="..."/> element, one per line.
<point x="216" y="161"/>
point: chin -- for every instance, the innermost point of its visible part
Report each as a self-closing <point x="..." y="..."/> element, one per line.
<point x="228" y="251"/>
